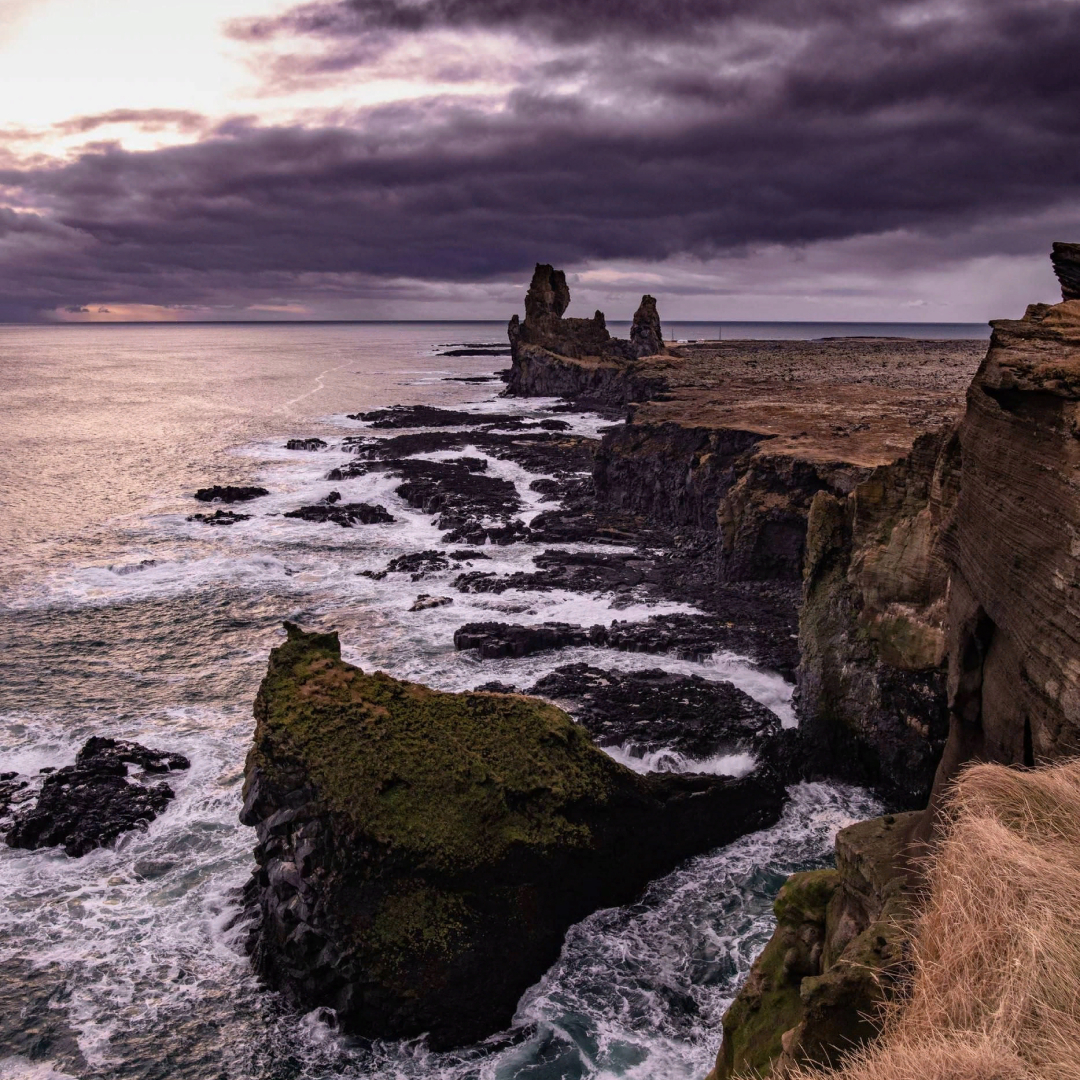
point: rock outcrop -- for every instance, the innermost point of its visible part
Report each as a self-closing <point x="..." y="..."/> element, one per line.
<point x="1013" y="546"/>
<point x="871" y="627"/>
<point x="1066" y="260"/>
<point x="646" y="333"/>
<point x="89" y="804"/>
<point x="838" y="953"/>
<point x="421" y="854"/>
<point x="553" y="355"/>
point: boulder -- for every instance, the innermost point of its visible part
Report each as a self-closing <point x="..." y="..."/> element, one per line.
<point x="310" y="444"/>
<point x="422" y="854"/>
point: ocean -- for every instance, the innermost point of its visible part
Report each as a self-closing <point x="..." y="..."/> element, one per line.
<point x="120" y="617"/>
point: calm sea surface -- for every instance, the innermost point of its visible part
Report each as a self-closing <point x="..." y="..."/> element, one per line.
<point x="120" y="617"/>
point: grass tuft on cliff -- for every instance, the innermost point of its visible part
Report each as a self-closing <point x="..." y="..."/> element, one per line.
<point x="995" y="991"/>
<point x="455" y="780"/>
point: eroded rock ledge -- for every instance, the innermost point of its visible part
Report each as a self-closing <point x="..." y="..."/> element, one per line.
<point x="421" y="854"/>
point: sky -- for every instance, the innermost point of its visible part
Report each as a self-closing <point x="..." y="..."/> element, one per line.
<point x="835" y="160"/>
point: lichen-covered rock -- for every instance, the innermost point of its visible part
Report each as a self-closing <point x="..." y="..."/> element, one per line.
<point x="421" y="854"/>
<point x="871" y="628"/>
<point x="837" y="955"/>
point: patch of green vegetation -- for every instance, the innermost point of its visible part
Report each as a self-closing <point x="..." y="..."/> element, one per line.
<point x="767" y="1006"/>
<point x="455" y="780"/>
<point x="805" y="896"/>
<point x="418" y="921"/>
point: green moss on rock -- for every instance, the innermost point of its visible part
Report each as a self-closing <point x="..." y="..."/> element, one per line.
<point x="503" y="769"/>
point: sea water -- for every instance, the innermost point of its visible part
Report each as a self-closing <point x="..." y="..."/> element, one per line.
<point x="120" y="617"/>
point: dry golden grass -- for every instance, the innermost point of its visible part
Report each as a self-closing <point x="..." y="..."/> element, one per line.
<point x="995" y="991"/>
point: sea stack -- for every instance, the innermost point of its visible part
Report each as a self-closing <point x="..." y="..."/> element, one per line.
<point x="422" y="854"/>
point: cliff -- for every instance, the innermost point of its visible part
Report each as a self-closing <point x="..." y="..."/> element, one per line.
<point x="993" y="953"/>
<point x="836" y="957"/>
<point x="1013" y="620"/>
<point x="872" y="680"/>
<point x="954" y="570"/>
<point x="422" y="854"/>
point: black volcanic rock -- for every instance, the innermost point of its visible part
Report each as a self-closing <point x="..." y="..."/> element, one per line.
<point x="494" y="640"/>
<point x="344" y="514"/>
<point x="1066" y="260"/>
<point x="219" y="517"/>
<point x="422" y="854"/>
<point x="424" y="416"/>
<point x="89" y="804"/>
<point x="655" y="709"/>
<point x="229" y="493"/>
<point x="306" y="444"/>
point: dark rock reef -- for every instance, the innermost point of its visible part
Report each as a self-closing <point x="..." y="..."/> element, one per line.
<point x="230" y="493"/>
<point x="344" y="514"/>
<point x="422" y="854"/>
<point x="89" y="804"/>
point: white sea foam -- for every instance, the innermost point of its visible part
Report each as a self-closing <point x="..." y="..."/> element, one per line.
<point x="668" y="760"/>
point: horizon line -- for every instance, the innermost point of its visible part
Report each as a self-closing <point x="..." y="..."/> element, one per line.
<point x="466" y="322"/>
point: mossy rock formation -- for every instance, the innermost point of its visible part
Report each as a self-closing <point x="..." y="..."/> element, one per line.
<point x="421" y="854"/>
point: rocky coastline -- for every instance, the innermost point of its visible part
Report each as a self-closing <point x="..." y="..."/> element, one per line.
<point x="824" y="506"/>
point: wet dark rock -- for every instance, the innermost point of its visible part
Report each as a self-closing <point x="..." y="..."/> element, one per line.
<point x="424" y="601"/>
<point x="691" y="637"/>
<point x="495" y="640"/>
<point x="655" y="709"/>
<point x="344" y="514"/>
<point x="421" y="854"/>
<point x="1066" y="260"/>
<point x="229" y="493"/>
<point x="219" y="517"/>
<point x="467" y="555"/>
<point x="306" y="444"/>
<point x="333" y="497"/>
<point x="453" y="488"/>
<point x="575" y="571"/>
<point x="535" y="451"/>
<point x="423" y="416"/>
<point x="475" y="352"/>
<point x="473" y="532"/>
<point x="416" y="563"/>
<point x="89" y="804"/>
<point x="113" y="752"/>
<point x="554" y="425"/>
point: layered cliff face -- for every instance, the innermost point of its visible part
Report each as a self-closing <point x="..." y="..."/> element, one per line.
<point x="421" y="854"/>
<point x="1013" y="622"/>
<point x="871" y="628"/>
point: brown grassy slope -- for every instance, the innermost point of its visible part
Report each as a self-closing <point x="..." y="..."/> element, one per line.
<point x="995" y="991"/>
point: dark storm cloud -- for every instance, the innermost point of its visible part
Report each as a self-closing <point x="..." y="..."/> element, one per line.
<point x="768" y="123"/>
